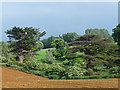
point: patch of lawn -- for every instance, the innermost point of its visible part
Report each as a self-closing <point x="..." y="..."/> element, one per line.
<point x="41" y="54"/>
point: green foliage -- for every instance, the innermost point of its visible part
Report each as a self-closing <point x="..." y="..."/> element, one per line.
<point x="39" y="45"/>
<point x="74" y="71"/>
<point x="80" y="53"/>
<point x="5" y="52"/>
<point x="48" y="41"/>
<point x="114" y="70"/>
<point x="19" y="63"/>
<point x="40" y="54"/>
<point x="29" y="57"/>
<point x="25" y="40"/>
<point x="9" y="63"/>
<point x="58" y="44"/>
<point x="3" y="59"/>
<point x="98" y="69"/>
<point x="91" y="57"/>
<point x="116" y="34"/>
<point x="66" y="62"/>
<point x="69" y="37"/>
<point x="102" y="32"/>
<point x="35" y="65"/>
<point x="53" y="76"/>
<point x="37" y="72"/>
<point x="96" y="50"/>
<point x="89" y="72"/>
<point x="4" y="49"/>
<point x="88" y="37"/>
<point x="32" y="65"/>
<point x="49" y="58"/>
<point x="55" y="69"/>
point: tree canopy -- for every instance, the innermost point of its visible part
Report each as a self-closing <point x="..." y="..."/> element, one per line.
<point x="25" y="40"/>
<point x="48" y="41"/>
<point x="102" y="32"/>
<point x="116" y="34"/>
<point x="69" y="37"/>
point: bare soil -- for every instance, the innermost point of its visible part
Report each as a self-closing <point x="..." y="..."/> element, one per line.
<point x="17" y="79"/>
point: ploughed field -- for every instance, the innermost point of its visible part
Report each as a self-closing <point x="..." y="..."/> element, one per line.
<point x="16" y="79"/>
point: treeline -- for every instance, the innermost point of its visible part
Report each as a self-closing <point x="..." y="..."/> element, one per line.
<point x="90" y="56"/>
<point x="69" y="37"/>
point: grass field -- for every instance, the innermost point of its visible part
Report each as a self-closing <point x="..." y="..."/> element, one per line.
<point x="41" y="54"/>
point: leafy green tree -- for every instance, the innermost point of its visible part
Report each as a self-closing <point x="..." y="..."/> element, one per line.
<point x="4" y="52"/>
<point x="69" y="37"/>
<point x="102" y="32"/>
<point x="48" y="41"/>
<point x="25" y="38"/>
<point x="95" y="48"/>
<point x="4" y="49"/>
<point x="39" y="45"/>
<point x="116" y="34"/>
<point x="59" y="44"/>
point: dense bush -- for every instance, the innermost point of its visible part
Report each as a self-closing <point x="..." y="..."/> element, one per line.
<point x="69" y="37"/>
<point x="34" y="65"/>
<point x="74" y="71"/>
<point x="89" y="72"/>
<point x="3" y="59"/>
<point x="9" y="63"/>
<point x="49" y="58"/>
<point x="102" y="32"/>
<point x="114" y="70"/>
<point x="55" y="69"/>
<point x="48" y="41"/>
<point x="98" y="69"/>
<point x="53" y="76"/>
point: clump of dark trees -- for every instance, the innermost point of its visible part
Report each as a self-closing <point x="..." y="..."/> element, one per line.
<point x="93" y="55"/>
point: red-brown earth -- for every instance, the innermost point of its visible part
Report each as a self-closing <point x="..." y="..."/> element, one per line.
<point x="17" y="79"/>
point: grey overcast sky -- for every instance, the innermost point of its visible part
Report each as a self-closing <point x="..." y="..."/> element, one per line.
<point x="60" y="17"/>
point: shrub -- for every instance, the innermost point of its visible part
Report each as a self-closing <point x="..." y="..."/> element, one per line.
<point x="114" y="70"/>
<point x="36" y="72"/>
<point x="21" y="69"/>
<point x="19" y="63"/>
<point x="28" y="57"/>
<point x="9" y="63"/>
<point x="66" y="62"/>
<point x="3" y="60"/>
<point x="64" y="77"/>
<point x="74" y="71"/>
<point x="53" y="76"/>
<point x="97" y="69"/>
<point x="32" y="65"/>
<point x="89" y="72"/>
<point x="49" y="58"/>
<point x="55" y="69"/>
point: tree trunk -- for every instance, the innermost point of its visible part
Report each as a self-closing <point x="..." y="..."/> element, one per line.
<point x="21" y="57"/>
<point x="89" y="65"/>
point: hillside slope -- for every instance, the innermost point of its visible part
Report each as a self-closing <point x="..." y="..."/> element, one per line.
<point x="17" y="79"/>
